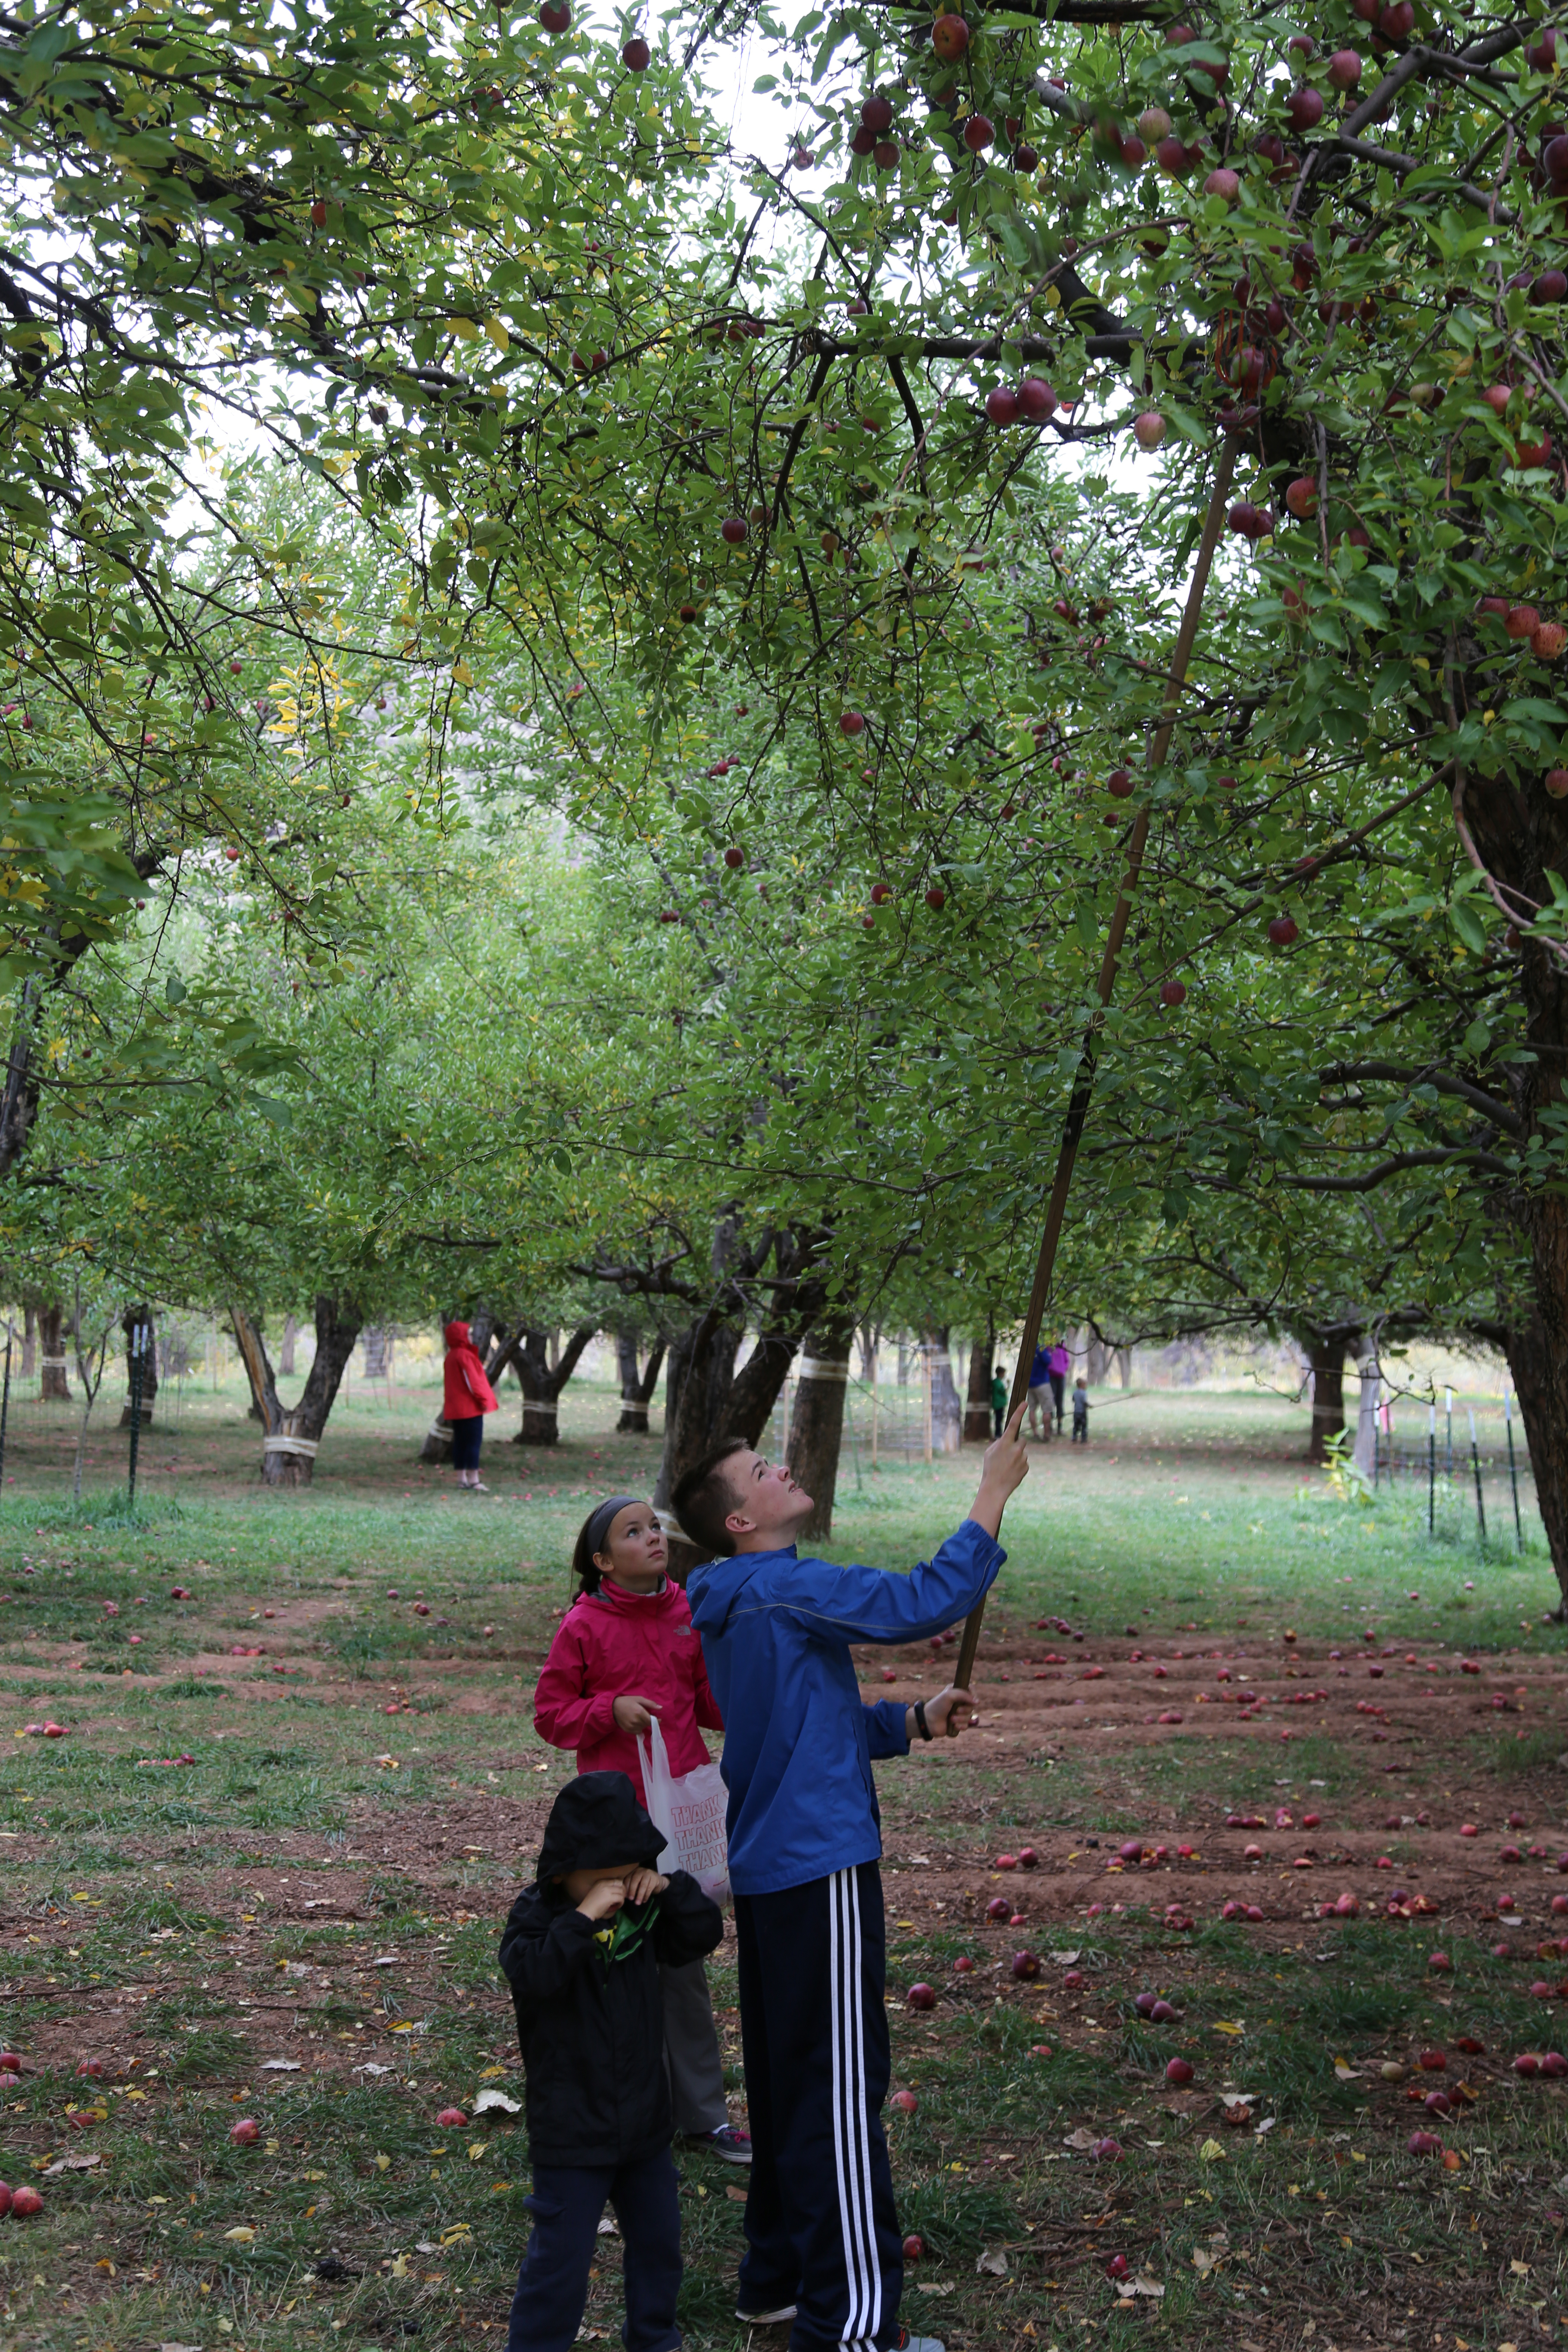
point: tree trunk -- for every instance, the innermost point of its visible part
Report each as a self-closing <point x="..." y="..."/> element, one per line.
<point x="1099" y="1357"/>
<point x="377" y="1353"/>
<point x="129" y="1321"/>
<point x="1124" y="1366"/>
<point x="528" y="1354"/>
<point x="636" y="1389"/>
<point x="291" y="1438"/>
<point x="977" y="1405"/>
<point x="1326" y="1352"/>
<point x="53" y="1388"/>
<point x="286" y="1352"/>
<point x="1366" y="1453"/>
<point x="946" y="1419"/>
<point x="1537" y="1383"/>
<point x="29" y="1341"/>
<point x="817" y="1420"/>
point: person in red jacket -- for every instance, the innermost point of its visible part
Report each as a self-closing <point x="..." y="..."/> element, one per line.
<point x="469" y="1397"/>
<point x="625" y="1654"/>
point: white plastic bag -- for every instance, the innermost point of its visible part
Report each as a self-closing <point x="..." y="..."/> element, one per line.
<point x="690" y="1807"/>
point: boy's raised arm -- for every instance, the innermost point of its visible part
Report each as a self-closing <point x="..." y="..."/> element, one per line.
<point x="868" y="1605"/>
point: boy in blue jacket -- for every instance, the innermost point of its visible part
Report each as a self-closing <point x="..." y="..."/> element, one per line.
<point x="823" y="2243"/>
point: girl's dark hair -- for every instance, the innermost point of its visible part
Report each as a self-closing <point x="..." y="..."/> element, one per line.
<point x="584" y="1567"/>
<point x="591" y="1537"/>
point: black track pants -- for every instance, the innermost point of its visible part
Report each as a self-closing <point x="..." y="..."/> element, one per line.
<point x="821" y="2229"/>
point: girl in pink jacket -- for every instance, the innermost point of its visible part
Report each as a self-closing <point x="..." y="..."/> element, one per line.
<point x="624" y="1653"/>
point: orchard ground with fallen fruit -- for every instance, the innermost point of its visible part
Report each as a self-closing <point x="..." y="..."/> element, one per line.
<point x="254" y="1889"/>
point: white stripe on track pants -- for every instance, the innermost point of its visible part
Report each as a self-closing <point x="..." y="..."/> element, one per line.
<point x="821" y="2228"/>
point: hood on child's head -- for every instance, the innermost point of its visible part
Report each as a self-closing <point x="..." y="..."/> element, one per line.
<point x="594" y="1822"/>
<point x="456" y="1335"/>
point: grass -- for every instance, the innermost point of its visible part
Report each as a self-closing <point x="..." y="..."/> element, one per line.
<point x="323" y="1884"/>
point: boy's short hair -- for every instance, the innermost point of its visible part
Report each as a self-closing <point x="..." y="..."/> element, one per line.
<point x="704" y="1498"/>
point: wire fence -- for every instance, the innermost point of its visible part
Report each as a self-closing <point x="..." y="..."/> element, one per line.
<point x="919" y="1418"/>
<point x="1470" y="1464"/>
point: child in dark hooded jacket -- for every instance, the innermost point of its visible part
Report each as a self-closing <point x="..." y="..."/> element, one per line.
<point x="581" y="1951"/>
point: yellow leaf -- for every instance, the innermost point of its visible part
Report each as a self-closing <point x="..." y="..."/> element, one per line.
<point x="1210" y="2152"/>
<point x="497" y="333"/>
<point x="384" y="2163"/>
<point x="240" y="2237"/>
<point x="400" y="2267"/>
<point x="475" y="2149"/>
<point x="1228" y="2025"/>
<point x="464" y="330"/>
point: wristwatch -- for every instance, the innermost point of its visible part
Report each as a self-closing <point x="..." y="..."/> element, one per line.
<point x="922" y="1725"/>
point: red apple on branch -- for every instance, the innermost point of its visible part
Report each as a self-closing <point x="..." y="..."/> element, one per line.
<point x="1344" y="68"/>
<point x="1149" y="430"/>
<point x="636" y="56"/>
<point x="978" y="133"/>
<point x="949" y="38"/>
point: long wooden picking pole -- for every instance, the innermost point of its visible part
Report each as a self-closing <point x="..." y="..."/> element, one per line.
<point x="1083" y="1085"/>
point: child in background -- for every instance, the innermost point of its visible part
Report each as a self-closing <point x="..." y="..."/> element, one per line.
<point x="1081" y="1411"/>
<point x="467" y="1397"/>
<point x="999" y="1396"/>
<point x="582" y="1951"/>
<point x="625" y="1654"/>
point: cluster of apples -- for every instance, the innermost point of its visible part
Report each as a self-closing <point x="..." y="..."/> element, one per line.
<point x="872" y="136"/>
<point x="1523" y="624"/>
<point x="21" y="2204"/>
<point x="1033" y="403"/>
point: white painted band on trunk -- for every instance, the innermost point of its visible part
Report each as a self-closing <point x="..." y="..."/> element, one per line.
<point x="539" y="1404"/>
<point x="439" y="1428"/>
<point x="309" y="1446"/>
<point x="54" y="1364"/>
<point x="671" y="1526"/>
<point x="818" y="1368"/>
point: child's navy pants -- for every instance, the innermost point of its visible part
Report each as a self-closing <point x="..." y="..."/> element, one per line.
<point x="821" y="2229"/>
<point x="553" y="2284"/>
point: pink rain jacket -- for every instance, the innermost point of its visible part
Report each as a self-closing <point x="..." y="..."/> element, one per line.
<point x="615" y="1645"/>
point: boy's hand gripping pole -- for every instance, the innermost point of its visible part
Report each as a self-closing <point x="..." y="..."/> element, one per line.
<point x="1083" y="1083"/>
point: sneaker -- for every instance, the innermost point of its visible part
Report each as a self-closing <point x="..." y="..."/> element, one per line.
<point x="905" y="2342"/>
<point x="733" y="2145"/>
<point x="765" y="2318"/>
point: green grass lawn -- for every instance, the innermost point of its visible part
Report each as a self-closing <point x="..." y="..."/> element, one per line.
<point x="323" y="1885"/>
